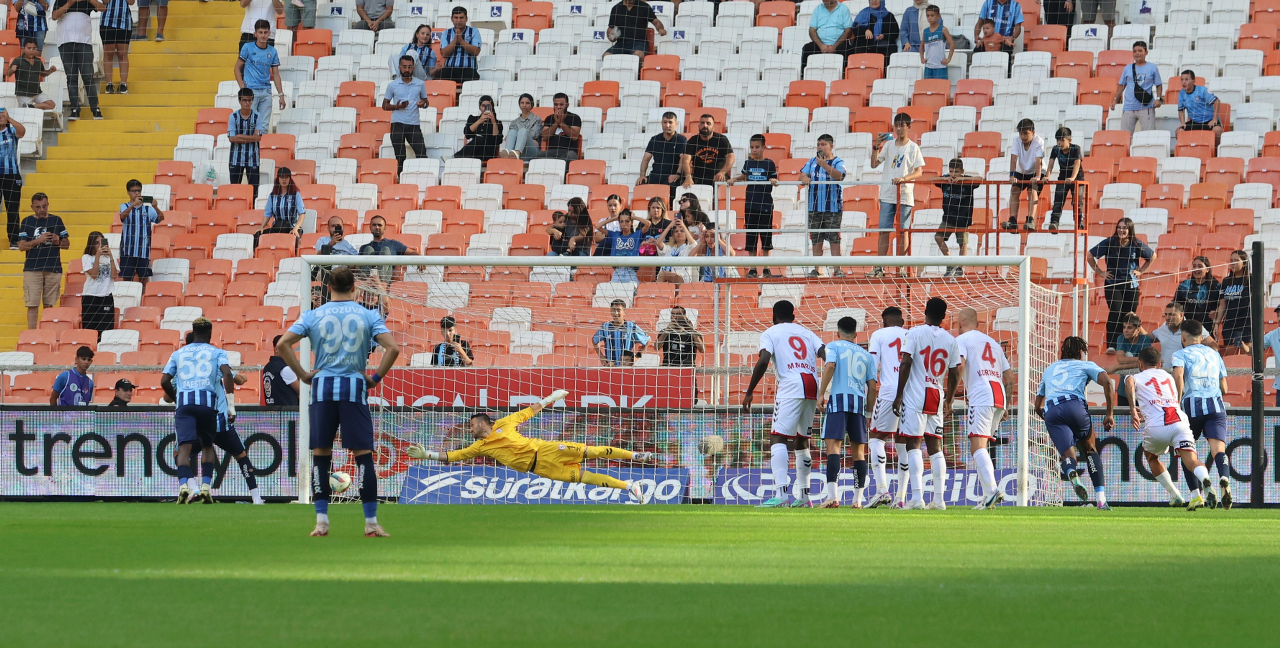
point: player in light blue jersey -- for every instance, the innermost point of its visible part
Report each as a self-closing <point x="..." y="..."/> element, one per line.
<point x="1201" y="378"/>
<point x="192" y="378"/>
<point x="850" y="372"/>
<point x="1060" y="401"/>
<point x="342" y="333"/>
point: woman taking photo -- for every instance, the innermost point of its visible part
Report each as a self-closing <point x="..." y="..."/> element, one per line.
<point x="675" y="241"/>
<point x="1199" y="294"/>
<point x="1234" y="309"/>
<point x="419" y="48"/>
<point x="695" y="220"/>
<point x="483" y="133"/>
<point x="1126" y="259"/>
<point x="659" y="218"/>
<point x="283" y="211"/>
<point x="522" y="133"/>
<point x="97" y="306"/>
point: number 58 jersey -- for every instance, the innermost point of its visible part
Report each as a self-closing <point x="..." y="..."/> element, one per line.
<point x="933" y="351"/>
<point x="341" y="335"/>
<point x="795" y="357"/>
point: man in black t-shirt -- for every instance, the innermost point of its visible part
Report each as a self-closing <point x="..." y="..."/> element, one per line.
<point x="628" y="26"/>
<point x="665" y="150"/>
<point x="1068" y="158"/>
<point x="279" y="383"/>
<point x="709" y="156"/>
<point x="680" y="342"/>
<point x="561" y="130"/>
<point x="41" y="235"/>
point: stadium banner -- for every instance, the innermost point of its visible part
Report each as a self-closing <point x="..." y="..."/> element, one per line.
<point x="752" y="486"/>
<point x="129" y="453"/>
<point x="666" y="388"/>
<point x="471" y="484"/>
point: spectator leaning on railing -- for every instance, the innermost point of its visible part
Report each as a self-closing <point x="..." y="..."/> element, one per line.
<point x="97" y="306"/>
<point x="1069" y="160"/>
<point x="957" y="211"/>
<point x="619" y="342"/>
<point x="11" y="132"/>
<point x="136" y="220"/>
<point x="41" y="237"/>
<point x="74" y="387"/>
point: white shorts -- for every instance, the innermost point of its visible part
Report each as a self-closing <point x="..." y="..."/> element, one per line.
<point x="883" y="420"/>
<point x="982" y="420"/>
<point x="27" y="102"/>
<point x="793" y="416"/>
<point x="1157" y="439"/>
<point x="919" y="424"/>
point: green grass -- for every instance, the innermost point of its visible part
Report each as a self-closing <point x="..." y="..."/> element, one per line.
<point x="234" y="575"/>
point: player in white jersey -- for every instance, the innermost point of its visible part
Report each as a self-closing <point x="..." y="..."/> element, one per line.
<point x="929" y="356"/>
<point x="850" y="373"/>
<point x="886" y="347"/>
<point x="988" y="380"/>
<point x="794" y="350"/>
<point x="1155" y="411"/>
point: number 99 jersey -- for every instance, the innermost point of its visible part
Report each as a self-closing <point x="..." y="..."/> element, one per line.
<point x="341" y="334"/>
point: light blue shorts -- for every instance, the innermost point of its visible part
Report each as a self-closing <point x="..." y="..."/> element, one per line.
<point x="888" y="212"/>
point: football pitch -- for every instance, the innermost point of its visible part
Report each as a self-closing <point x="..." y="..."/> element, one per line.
<point x="237" y="575"/>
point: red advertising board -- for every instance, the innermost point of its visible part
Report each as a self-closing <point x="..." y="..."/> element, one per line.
<point x="588" y="387"/>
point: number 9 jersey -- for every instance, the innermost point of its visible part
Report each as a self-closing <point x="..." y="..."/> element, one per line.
<point x="342" y="334"/>
<point x="795" y="357"/>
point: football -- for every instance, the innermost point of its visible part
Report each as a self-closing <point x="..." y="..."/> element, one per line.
<point x="339" y="482"/>
<point x="712" y="444"/>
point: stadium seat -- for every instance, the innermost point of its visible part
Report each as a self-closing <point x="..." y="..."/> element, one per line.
<point x="974" y="92"/>
<point x="38" y="340"/>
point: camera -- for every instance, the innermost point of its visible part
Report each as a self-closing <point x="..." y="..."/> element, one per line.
<point x="337" y="229"/>
<point x="147" y="200"/>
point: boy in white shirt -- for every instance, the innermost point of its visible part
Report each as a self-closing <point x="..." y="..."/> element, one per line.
<point x="1026" y="166"/>
<point x="905" y="163"/>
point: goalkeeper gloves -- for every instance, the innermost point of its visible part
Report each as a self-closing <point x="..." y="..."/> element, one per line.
<point x="418" y="452"/>
<point x="556" y="395"/>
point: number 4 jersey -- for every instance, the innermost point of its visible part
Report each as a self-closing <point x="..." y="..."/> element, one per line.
<point x="985" y="365"/>
<point x="795" y="357"/>
<point x="933" y="351"/>
<point x="1157" y="398"/>
<point x="341" y="334"/>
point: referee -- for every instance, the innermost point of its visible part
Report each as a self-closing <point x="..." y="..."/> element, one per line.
<point x="1197" y="107"/>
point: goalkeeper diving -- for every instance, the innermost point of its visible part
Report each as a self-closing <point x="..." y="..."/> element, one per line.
<point x="559" y="460"/>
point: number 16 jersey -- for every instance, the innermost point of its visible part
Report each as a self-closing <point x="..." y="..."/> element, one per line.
<point x="341" y="334"/>
<point x="933" y="351"/>
<point x="795" y="358"/>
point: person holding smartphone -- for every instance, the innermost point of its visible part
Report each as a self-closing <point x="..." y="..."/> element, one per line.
<point x="42" y="237"/>
<point x="97" y="306"/>
<point x="136" y="219"/>
<point x="483" y="133"/>
<point x="454" y="351"/>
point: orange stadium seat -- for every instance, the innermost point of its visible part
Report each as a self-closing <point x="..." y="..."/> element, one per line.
<point x="320" y="197"/>
<point x="278" y="147"/>
<point x="600" y="94"/>
<point x="847" y="93"/>
<point x="234" y="197"/>
<point x="192" y="247"/>
<point x="316" y="43"/>
<point x="974" y="92"/>
<point x="38" y="340"/>
<point x="866" y="68"/>
<point x="398" y="197"/>
<point x="589" y="173"/>
<point x="1045" y="38"/>
<point x="777" y="146"/>
<point x="141" y="318"/>
<point x="245" y="294"/>
<point x="192" y="197"/>
<point x="1271" y="144"/>
<point x="525" y="197"/>
<point x="1264" y="169"/>
<point x="211" y="270"/>
<point x="1111" y="64"/>
<point x="1226" y="171"/>
<point x="682" y="94"/>
<point x="174" y="172"/>
<point x="1257" y="37"/>
<point x="276" y="246"/>
<point x="264" y="318"/>
<point x="355" y="94"/>
<point x="176" y="222"/>
<point x="530" y="245"/>
<point x="213" y="223"/>
<point x="443" y="197"/>
<point x="260" y="270"/>
<point x="662" y="68"/>
<point x="358" y="146"/>
<point x="203" y="294"/>
<point x="213" y="121"/>
<point x="373" y="121"/>
<point x="446" y="244"/>
<point x="382" y="172"/>
<point x="1163" y="196"/>
<point x="874" y="119"/>
<point x="1198" y="144"/>
<point x="508" y="173"/>
<point x="532" y="15"/>
<point x="806" y="94"/>
<point x="1098" y="91"/>
<point x="1137" y="170"/>
<point x="1073" y="65"/>
<point x="934" y="93"/>
<point x="442" y="94"/>
<point x="982" y="144"/>
<point x="162" y="294"/>
<point x="775" y="14"/>
<point x="249" y="221"/>
<point x="1111" y="144"/>
<point x="160" y="341"/>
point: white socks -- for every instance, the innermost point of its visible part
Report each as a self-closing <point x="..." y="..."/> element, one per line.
<point x="322" y="517"/>
<point x="903" y="472"/>
<point x="257" y="497"/>
<point x="804" y="464"/>
<point x="1167" y="482"/>
<point x="778" y="463"/>
<point x="830" y="490"/>
<point x="1201" y="473"/>
<point x="938" y="464"/>
<point x="915" y="474"/>
<point x="986" y="471"/>
<point x="877" y="457"/>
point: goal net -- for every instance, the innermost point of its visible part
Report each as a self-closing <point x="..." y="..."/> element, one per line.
<point x="497" y="337"/>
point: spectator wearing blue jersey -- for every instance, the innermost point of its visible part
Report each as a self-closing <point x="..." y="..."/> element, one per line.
<point x="459" y="48"/>
<point x="342" y="333"/>
<point x="257" y="68"/>
<point x="284" y="209"/>
<point x="32" y="26"/>
<point x="1272" y="341"/>
<point x="1126" y="258"/>
<point x="1200" y="376"/>
<point x="245" y="129"/>
<point x="618" y="342"/>
<point x="624" y="242"/>
<point x="11" y="132"/>
<point x="424" y="56"/>
<point x="116" y="31"/>
<point x="193" y="379"/>
<point x="136" y="220"/>
<point x="1061" y="403"/>
<point x="1197" y="107"/>
<point x="1006" y="16"/>
<point x="826" y="199"/>
<point x="74" y="387"/>
<point x="850" y="373"/>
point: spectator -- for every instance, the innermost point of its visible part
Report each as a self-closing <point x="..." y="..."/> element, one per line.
<point x="1272" y="341"/>
<point x="41" y="237"/>
<point x="578" y="228"/>
<point x="1098" y="11"/>
<point x="336" y="242"/>
<point x="1026" y="161"/>
<point x="1122" y="252"/>
<point x="659" y="218"/>
<point x="279" y="383"/>
<point x="912" y="26"/>
<point x="561" y="130"/>
<point x="1060" y="12"/>
<point x="11" y="132"/>
<point x="405" y="96"/>
<point x="759" y="200"/>
<point x="1169" y="336"/>
<point x="31" y="26"/>
<point x="957" y="211"/>
<point x="454" y="351"/>
<point x="459" y="48"/>
<point x="665" y="150"/>
<point x="424" y="56"/>
<point x="619" y="343"/>
<point x="1197" y="107"/>
<point x="256" y="69"/>
<point x="245" y="129"/>
<point x="162" y="15"/>
<point x="556" y="230"/>
<point x="939" y="47"/>
<point x="1140" y="90"/>
<point x="708" y="158"/>
<point x="1199" y="294"/>
<point x="676" y="241"/>
<point x="300" y="13"/>
<point x="74" y="387"/>
<point x="375" y="15"/>
<point x="523" y="132"/>
<point x="826" y="201"/>
<point x="483" y="133"/>
<point x="629" y="25"/>
<point x="27" y="72"/>
<point x="604" y="247"/>
<point x="875" y="31"/>
<point x="1068" y="158"/>
<point x="124" y="393"/>
<point x="1234" y="312"/>
<point x="116" y="31"/>
<point x="897" y="193"/>
<point x="623" y="243"/>
<point x="284" y="209"/>
<point x="830" y="31"/>
<point x="680" y="342"/>
<point x="693" y="218"/>
<point x="988" y="40"/>
<point x="383" y="246"/>
<point x="136" y="218"/>
<point x="1133" y="340"/>
<point x="97" y="306"/>
<point x="254" y="10"/>
<point x="712" y="245"/>
<point x="1006" y="19"/>
<point x="76" y="49"/>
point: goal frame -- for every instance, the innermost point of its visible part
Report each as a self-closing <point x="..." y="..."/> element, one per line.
<point x="1021" y="263"/>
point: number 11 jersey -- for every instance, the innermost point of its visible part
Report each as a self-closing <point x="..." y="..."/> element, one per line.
<point x="795" y="358"/>
<point x="1157" y="398"/>
<point x="341" y="334"/>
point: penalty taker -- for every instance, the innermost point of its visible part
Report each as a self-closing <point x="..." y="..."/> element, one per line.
<point x="562" y="461"/>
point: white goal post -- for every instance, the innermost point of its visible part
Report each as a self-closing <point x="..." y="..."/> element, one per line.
<point x="419" y="289"/>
